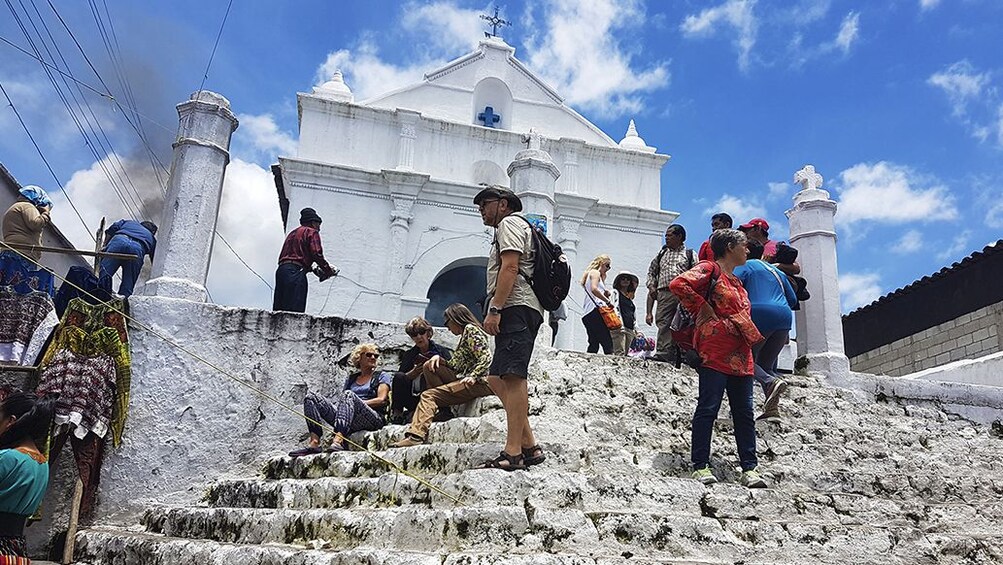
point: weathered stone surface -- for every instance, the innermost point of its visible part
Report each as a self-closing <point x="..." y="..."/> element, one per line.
<point x="854" y="479"/>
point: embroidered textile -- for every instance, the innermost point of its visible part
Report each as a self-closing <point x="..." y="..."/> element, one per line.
<point x="26" y="320"/>
<point x="23" y="275"/>
<point x="473" y="353"/>
<point x="95" y="290"/>
<point x="13" y="551"/>
<point x="86" y="388"/>
<point x="104" y="341"/>
<point x="725" y="343"/>
<point x="92" y="317"/>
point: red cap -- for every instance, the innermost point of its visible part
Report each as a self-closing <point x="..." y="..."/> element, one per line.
<point x="755" y="222"/>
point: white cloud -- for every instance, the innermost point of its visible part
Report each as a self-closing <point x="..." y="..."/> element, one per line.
<point x="962" y="84"/>
<point x="894" y="194"/>
<point x="849" y="31"/>
<point x="735" y="14"/>
<point x="250" y="222"/>
<point x="449" y="27"/>
<point x="578" y="49"/>
<point x="858" y="289"/>
<point x="910" y="242"/>
<point x="368" y="75"/>
<point x="806" y="11"/>
<point x="928" y="4"/>
<point x="778" y="189"/>
<point x="260" y="137"/>
<point x="957" y="248"/>
<point x="739" y="209"/>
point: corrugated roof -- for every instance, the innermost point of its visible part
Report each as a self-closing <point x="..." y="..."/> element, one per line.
<point x="954" y="270"/>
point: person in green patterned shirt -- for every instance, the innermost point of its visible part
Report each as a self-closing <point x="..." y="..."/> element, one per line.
<point x="471" y="359"/>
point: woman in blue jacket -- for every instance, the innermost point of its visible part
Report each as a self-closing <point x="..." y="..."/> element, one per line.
<point x="772" y="298"/>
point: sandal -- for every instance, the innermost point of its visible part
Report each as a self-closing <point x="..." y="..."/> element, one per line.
<point x="305" y="451"/>
<point x="505" y="462"/>
<point x="533" y="455"/>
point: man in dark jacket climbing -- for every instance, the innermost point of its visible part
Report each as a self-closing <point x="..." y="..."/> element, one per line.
<point x="131" y="238"/>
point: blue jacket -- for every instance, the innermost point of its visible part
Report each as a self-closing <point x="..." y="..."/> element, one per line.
<point x="770" y="293"/>
<point x="134" y="230"/>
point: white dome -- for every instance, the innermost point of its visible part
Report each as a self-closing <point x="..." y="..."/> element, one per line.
<point x="633" y="141"/>
<point x="335" y="88"/>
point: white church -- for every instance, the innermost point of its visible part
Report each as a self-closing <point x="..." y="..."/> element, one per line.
<point x="394" y="176"/>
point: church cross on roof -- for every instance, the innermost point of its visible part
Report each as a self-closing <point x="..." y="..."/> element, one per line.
<point x="495" y="22"/>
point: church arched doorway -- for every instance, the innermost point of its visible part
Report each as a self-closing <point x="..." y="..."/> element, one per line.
<point x="461" y="281"/>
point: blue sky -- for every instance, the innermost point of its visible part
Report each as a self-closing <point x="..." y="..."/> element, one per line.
<point x="898" y="104"/>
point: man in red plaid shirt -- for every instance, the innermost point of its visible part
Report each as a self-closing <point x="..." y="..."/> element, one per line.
<point x="300" y="251"/>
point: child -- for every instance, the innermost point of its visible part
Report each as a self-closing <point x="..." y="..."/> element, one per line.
<point x="624" y="288"/>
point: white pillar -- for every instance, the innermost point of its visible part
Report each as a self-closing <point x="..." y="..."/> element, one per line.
<point x="185" y="239"/>
<point x="533" y="177"/>
<point x="813" y="234"/>
<point x="571" y="212"/>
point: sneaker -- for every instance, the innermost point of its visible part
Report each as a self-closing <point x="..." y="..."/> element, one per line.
<point x="773" y="392"/>
<point x="408" y="441"/>
<point x="773" y="416"/>
<point x="705" y="476"/>
<point x="752" y="479"/>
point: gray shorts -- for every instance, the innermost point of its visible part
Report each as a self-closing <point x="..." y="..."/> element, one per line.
<point x="514" y="342"/>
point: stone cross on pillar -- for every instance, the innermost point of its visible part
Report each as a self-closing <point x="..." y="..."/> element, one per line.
<point x="191" y="208"/>
<point x="813" y="233"/>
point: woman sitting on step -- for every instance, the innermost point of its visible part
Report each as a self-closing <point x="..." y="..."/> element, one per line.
<point x="24" y="470"/>
<point x="360" y="405"/>
<point x="471" y="359"/>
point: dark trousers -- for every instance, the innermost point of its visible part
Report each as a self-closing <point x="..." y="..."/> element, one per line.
<point x="713" y="385"/>
<point x="290" y="288"/>
<point x="130" y="267"/>
<point x="404" y="398"/>
<point x="598" y="333"/>
<point x="766" y="353"/>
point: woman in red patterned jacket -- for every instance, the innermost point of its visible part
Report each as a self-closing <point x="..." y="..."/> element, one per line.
<point x="724" y="338"/>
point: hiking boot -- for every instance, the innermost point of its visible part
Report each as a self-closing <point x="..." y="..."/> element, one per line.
<point x="773" y="392"/>
<point x="705" y="476"/>
<point x="408" y="441"/>
<point x="752" y="479"/>
<point x="773" y="416"/>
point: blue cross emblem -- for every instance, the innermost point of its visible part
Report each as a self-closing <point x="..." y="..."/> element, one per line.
<point x="489" y="117"/>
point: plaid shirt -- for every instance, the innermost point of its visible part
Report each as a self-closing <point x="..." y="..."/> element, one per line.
<point x="674" y="262"/>
<point x="302" y="246"/>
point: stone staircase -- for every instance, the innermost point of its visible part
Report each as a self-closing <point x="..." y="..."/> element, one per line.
<point x="853" y="480"/>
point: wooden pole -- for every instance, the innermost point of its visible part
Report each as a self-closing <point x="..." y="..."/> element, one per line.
<point x="68" y="251"/>
<point x="98" y="240"/>
<point x="71" y="531"/>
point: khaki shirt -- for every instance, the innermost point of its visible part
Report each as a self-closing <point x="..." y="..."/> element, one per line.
<point x="23" y="224"/>
<point x="514" y="234"/>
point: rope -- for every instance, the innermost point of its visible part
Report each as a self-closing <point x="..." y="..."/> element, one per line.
<point x="238" y="380"/>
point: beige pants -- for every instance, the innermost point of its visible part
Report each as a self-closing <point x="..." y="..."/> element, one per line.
<point x="450" y="394"/>
<point x="622" y="338"/>
<point x="665" y="309"/>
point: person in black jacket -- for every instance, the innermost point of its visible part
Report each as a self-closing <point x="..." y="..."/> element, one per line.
<point x="408" y="381"/>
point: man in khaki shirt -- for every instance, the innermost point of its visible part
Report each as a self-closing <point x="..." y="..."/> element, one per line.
<point x="514" y="316"/>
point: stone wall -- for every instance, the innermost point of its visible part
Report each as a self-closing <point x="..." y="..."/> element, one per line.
<point x="968" y="336"/>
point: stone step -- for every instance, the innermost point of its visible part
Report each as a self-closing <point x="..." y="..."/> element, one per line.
<point x="109" y="546"/>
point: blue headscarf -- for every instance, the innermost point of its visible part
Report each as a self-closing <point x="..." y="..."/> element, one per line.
<point x="36" y="195"/>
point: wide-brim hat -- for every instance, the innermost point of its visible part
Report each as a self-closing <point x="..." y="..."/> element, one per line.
<point x="495" y="192"/>
<point x="625" y="275"/>
<point x="308" y="215"/>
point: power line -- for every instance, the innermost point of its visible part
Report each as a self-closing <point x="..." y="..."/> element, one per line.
<point x="46" y="161"/>
<point x="241" y="259"/>
<point x="107" y="95"/>
<point x="212" y="55"/>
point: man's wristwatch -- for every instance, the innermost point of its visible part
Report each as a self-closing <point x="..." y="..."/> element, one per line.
<point x="494" y="310"/>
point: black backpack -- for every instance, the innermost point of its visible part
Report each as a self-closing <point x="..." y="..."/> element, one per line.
<point x="551" y="280"/>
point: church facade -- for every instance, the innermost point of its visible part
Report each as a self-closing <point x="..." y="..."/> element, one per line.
<point x="394" y="176"/>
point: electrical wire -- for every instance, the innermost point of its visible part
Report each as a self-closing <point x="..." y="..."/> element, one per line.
<point x="253" y="388"/>
<point x="46" y="161"/>
<point x="241" y="259"/>
<point x="212" y="55"/>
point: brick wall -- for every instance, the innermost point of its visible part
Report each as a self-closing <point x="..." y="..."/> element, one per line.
<point x="968" y="336"/>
